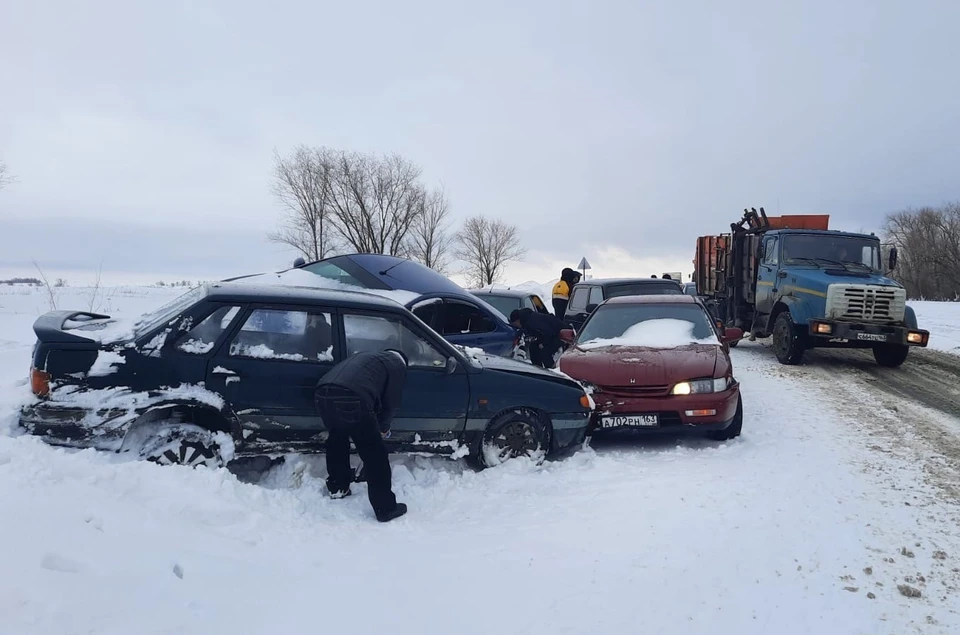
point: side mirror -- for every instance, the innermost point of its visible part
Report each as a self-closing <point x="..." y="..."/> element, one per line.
<point x="451" y="364"/>
<point x="893" y="258"/>
<point x="568" y="335"/>
<point x="732" y="334"/>
<point x="591" y="308"/>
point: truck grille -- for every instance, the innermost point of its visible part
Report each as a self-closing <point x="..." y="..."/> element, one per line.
<point x="865" y="303"/>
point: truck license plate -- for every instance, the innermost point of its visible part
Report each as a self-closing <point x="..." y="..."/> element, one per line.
<point x="873" y="337"/>
<point x="632" y="421"/>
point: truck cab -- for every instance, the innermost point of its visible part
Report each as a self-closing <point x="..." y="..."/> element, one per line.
<point x="807" y="286"/>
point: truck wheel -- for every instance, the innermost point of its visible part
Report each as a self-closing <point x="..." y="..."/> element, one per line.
<point x="787" y="342"/>
<point x="891" y="355"/>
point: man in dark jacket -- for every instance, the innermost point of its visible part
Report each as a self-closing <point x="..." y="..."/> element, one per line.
<point x="357" y="400"/>
<point x="544" y="329"/>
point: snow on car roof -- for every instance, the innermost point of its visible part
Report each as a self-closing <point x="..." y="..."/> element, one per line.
<point x="272" y="283"/>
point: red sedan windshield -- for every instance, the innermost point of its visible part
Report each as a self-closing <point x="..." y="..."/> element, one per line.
<point x="612" y="321"/>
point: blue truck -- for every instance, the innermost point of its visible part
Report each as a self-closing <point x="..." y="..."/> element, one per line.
<point x="806" y="286"/>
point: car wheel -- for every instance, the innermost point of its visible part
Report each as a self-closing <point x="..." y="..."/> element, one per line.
<point x="183" y="445"/>
<point x="733" y="430"/>
<point x="891" y="355"/>
<point x="513" y="435"/>
<point x="787" y="342"/>
<point x="734" y="343"/>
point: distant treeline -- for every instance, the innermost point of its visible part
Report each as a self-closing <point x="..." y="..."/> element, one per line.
<point x="928" y="242"/>
<point x="34" y="282"/>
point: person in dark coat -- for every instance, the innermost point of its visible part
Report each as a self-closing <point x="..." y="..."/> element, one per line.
<point x="357" y="399"/>
<point x="562" y="291"/>
<point x="544" y="329"/>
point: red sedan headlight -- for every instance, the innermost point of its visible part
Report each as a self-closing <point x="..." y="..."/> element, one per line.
<point x="701" y="386"/>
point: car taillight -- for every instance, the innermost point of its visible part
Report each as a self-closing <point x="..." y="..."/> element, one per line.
<point x="39" y="382"/>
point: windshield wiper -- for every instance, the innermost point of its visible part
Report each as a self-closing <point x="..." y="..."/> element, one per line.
<point x="858" y="263"/>
<point x="810" y="260"/>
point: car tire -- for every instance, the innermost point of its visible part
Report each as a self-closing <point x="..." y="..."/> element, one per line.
<point x="512" y="435"/>
<point x="734" y="343"/>
<point x="180" y="444"/>
<point x="734" y="429"/>
<point x="788" y="344"/>
<point x="891" y="355"/>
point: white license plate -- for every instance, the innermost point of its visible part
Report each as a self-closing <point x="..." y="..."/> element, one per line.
<point x="872" y="337"/>
<point x="631" y="421"/>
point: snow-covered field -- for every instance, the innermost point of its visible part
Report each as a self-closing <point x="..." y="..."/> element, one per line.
<point x="808" y="523"/>
<point x="942" y="319"/>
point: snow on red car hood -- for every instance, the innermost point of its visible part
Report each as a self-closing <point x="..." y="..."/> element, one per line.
<point x="643" y="366"/>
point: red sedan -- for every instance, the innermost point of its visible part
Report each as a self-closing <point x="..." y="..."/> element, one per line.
<point x="658" y="363"/>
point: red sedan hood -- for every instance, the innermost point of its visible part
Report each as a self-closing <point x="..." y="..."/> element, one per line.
<point x="633" y="366"/>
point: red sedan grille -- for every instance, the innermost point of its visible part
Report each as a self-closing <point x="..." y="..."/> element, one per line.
<point x="635" y="391"/>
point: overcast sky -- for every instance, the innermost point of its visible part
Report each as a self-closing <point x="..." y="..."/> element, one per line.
<point x="141" y="133"/>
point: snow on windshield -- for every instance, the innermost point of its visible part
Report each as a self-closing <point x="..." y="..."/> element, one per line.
<point x="655" y="333"/>
<point x="301" y="278"/>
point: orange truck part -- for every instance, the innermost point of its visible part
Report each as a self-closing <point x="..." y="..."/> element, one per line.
<point x="800" y="221"/>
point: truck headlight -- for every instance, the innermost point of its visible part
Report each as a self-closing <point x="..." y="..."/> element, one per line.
<point x="701" y="386"/>
<point x="916" y="337"/>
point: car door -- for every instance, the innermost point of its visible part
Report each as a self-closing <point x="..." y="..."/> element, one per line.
<point x="577" y="308"/>
<point x="767" y="275"/>
<point x="434" y="398"/>
<point x="468" y="324"/>
<point x="269" y="366"/>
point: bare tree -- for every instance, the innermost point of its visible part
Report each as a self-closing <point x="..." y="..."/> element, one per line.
<point x="486" y="246"/>
<point x="928" y="245"/>
<point x="430" y="236"/>
<point x="303" y="182"/>
<point x="376" y="201"/>
<point x="5" y="177"/>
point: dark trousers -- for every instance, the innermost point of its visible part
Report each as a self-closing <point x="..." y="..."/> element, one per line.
<point x="543" y="357"/>
<point x="347" y="417"/>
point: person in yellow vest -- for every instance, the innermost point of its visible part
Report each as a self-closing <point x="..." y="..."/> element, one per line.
<point x="561" y="291"/>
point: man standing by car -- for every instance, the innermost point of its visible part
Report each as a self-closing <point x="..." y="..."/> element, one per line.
<point x="357" y="399"/>
<point x="544" y="329"/>
<point x="562" y="290"/>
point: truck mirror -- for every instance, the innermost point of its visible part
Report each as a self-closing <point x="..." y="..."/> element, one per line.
<point x="893" y="258"/>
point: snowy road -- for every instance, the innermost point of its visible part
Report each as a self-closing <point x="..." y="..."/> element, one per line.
<point x="837" y="494"/>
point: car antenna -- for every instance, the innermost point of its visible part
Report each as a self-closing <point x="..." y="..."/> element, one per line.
<point x="387" y="270"/>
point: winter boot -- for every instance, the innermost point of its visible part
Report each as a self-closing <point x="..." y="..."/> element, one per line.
<point x="396" y="512"/>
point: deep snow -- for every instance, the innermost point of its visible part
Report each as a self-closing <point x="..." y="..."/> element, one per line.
<point x="942" y="319"/>
<point x="762" y="535"/>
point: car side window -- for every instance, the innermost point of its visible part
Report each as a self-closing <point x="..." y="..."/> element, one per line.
<point x="538" y="304"/>
<point x="596" y="295"/>
<point x="770" y="255"/>
<point x="460" y="318"/>
<point x="201" y="339"/>
<point x="374" y="333"/>
<point x="578" y="302"/>
<point x="296" y="336"/>
<point x="428" y="311"/>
